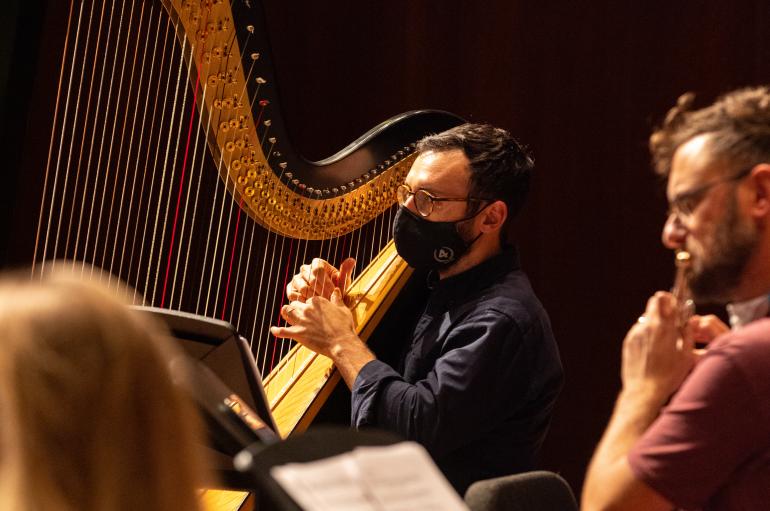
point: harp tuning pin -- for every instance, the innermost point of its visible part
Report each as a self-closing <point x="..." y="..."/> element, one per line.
<point x="295" y="181"/>
<point x="387" y="163"/>
<point x="250" y="28"/>
<point x="367" y="176"/>
<point x="400" y="153"/>
<point x="380" y="166"/>
<point x="267" y="122"/>
<point x="343" y="187"/>
<point x="289" y="175"/>
<point x="317" y="192"/>
<point x="351" y="184"/>
<point x="359" y="180"/>
<point x="277" y="154"/>
<point x="254" y="56"/>
<point x="263" y="102"/>
<point x="310" y="189"/>
<point x="260" y="80"/>
<point x="283" y="165"/>
<point x="301" y="186"/>
<point x="272" y="140"/>
<point x="335" y="190"/>
<point x="326" y="191"/>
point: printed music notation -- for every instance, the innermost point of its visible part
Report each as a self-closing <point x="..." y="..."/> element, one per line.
<point x="397" y="477"/>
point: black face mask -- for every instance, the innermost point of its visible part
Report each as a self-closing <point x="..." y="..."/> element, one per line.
<point x="428" y="245"/>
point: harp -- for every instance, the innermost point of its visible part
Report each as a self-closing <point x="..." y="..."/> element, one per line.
<point x="167" y="163"/>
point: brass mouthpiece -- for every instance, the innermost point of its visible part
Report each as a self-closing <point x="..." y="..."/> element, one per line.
<point x="681" y="291"/>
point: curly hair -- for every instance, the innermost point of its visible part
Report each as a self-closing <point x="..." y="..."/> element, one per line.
<point x="500" y="167"/>
<point x="738" y="121"/>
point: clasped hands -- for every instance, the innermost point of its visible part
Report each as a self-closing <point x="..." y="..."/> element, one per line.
<point x="317" y="316"/>
<point x="657" y="354"/>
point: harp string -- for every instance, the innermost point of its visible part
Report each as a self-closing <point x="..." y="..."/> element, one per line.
<point x="180" y="187"/>
<point x="87" y="181"/>
<point x="129" y="96"/>
<point x="222" y="260"/>
<point x="99" y="172"/>
<point x="243" y="243"/>
<point x="148" y="158"/>
<point x="195" y="202"/>
<point x="167" y="145"/>
<point x="240" y="205"/>
<point x="108" y="166"/>
<point x="185" y="211"/>
<point x="79" y="166"/>
<point x="216" y="259"/>
<point x="137" y="157"/>
<point x="61" y="140"/>
<point x="63" y="194"/>
<point x="179" y="127"/>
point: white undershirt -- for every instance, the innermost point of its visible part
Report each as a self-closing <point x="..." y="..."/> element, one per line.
<point x="743" y="313"/>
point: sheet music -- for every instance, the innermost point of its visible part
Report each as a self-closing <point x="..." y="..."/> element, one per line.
<point x="397" y="477"/>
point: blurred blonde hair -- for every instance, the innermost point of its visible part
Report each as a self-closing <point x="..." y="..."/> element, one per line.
<point x="90" y="418"/>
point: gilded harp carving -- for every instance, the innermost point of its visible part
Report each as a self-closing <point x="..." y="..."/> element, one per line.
<point x="169" y="166"/>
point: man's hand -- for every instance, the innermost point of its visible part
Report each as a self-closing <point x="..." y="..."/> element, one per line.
<point x="656" y="358"/>
<point x="318" y="323"/>
<point x="326" y="327"/>
<point x="704" y="329"/>
<point x="319" y="278"/>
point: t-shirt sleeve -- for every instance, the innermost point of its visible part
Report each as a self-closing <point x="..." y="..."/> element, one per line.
<point x="702" y="436"/>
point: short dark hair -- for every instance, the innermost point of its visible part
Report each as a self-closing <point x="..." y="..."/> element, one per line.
<point x="500" y="167"/>
<point x="739" y="122"/>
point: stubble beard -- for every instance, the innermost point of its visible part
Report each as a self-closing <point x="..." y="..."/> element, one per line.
<point x="718" y="272"/>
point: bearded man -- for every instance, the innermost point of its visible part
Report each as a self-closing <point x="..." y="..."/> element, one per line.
<point x="480" y="372"/>
<point x="708" y="445"/>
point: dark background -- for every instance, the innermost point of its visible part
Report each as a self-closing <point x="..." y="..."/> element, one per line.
<point x="581" y="83"/>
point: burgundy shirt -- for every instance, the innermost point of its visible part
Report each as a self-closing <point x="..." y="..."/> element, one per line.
<point x="710" y="447"/>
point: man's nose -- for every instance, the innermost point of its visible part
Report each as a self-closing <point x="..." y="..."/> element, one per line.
<point x="674" y="232"/>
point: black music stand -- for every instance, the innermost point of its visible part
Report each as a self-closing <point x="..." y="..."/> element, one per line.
<point x="226" y="386"/>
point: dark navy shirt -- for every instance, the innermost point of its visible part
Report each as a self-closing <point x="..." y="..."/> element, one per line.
<point x="478" y="383"/>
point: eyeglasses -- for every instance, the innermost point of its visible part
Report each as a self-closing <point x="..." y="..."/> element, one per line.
<point x="684" y="204"/>
<point x="424" y="201"/>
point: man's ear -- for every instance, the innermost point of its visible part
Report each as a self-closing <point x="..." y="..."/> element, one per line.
<point x="493" y="217"/>
<point x="760" y="205"/>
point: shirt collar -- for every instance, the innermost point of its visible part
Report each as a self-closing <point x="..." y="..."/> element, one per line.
<point x="743" y="313"/>
<point x="478" y="277"/>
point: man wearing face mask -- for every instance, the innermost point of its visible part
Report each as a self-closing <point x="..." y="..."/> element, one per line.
<point x="481" y="371"/>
